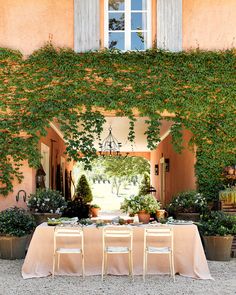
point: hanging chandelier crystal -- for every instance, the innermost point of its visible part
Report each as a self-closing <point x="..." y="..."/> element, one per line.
<point x="110" y="146"/>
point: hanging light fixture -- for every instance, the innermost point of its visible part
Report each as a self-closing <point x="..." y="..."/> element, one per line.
<point x="110" y="146"/>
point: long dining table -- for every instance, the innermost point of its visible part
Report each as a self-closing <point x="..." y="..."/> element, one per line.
<point x="189" y="256"/>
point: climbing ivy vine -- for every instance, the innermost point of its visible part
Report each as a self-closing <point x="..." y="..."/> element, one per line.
<point x="74" y="88"/>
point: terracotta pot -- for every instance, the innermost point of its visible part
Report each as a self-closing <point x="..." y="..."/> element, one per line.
<point x="43" y="217"/>
<point x="13" y="247"/>
<point x="188" y="216"/>
<point x="94" y="211"/>
<point x="143" y="216"/>
<point x="161" y="214"/>
<point x="218" y="248"/>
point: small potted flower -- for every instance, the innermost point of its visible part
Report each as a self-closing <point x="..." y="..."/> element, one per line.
<point x="188" y="205"/>
<point x="16" y="225"/>
<point x="141" y="205"/>
<point x="94" y="210"/>
<point x="46" y="203"/>
<point x="218" y="230"/>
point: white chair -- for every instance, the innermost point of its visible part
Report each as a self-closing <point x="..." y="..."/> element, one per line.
<point x="110" y="247"/>
<point x="67" y="234"/>
<point x="158" y="234"/>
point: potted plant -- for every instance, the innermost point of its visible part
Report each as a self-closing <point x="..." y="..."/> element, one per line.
<point x="141" y="205"/>
<point x="16" y="225"/>
<point x="79" y="207"/>
<point x="218" y="229"/>
<point x="46" y="203"/>
<point x="94" y="209"/>
<point x="188" y="206"/>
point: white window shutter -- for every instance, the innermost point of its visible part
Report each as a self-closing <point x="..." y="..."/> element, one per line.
<point x="169" y="25"/>
<point x="86" y="25"/>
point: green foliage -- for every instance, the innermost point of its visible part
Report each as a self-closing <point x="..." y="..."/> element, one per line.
<point x="144" y="188"/>
<point x="47" y="201"/>
<point x="217" y="223"/>
<point x="198" y="87"/>
<point x="83" y="191"/>
<point x="134" y="204"/>
<point x="188" y="202"/>
<point x="16" y="222"/>
<point x="95" y="206"/>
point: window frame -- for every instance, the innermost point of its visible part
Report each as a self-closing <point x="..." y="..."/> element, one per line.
<point x="127" y="31"/>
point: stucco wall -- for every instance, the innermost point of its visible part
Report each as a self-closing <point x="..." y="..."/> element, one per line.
<point x="27" y="25"/>
<point x="209" y="24"/>
<point x="181" y="175"/>
<point x="28" y="183"/>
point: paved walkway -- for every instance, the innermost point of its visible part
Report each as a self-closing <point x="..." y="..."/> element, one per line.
<point x="11" y="283"/>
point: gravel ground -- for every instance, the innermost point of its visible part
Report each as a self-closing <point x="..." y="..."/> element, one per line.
<point x="11" y="283"/>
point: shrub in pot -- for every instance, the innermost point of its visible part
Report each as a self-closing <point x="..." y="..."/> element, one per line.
<point x="46" y="203"/>
<point x="218" y="229"/>
<point x="188" y="206"/>
<point x="78" y="207"/>
<point x="141" y="205"/>
<point x="16" y="225"/>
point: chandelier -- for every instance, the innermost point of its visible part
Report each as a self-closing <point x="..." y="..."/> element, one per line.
<point x="110" y="146"/>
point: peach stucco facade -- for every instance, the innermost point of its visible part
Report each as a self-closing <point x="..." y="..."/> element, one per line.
<point x="181" y="175"/>
<point x="209" y="24"/>
<point x="27" y="25"/>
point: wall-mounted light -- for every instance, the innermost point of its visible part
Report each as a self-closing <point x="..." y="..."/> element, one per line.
<point x="156" y="169"/>
<point x="167" y="162"/>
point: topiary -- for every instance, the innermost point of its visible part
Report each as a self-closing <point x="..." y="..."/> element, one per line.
<point x="144" y="188"/>
<point x="83" y="191"/>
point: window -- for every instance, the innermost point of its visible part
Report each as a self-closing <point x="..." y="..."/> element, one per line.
<point x="127" y="24"/>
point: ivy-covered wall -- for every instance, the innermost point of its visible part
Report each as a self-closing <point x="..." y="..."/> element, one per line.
<point x="199" y="87"/>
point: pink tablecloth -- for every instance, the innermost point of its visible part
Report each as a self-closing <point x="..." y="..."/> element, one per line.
<point x="189" y="256"/>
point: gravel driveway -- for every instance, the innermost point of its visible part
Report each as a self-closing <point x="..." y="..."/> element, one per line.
<point x="11" y="283"/>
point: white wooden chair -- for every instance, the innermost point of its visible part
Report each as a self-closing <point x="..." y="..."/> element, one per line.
<point x="158" y="234"/>
<point x="67" y="234"/>
<point x="109" y="247"/>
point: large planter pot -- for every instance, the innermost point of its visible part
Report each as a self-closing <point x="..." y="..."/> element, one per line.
<point x="13" y="247"/>
<point x="188" y="216"/>
<point x="43" y="217"/>
<point x="143" y="217"/>
<point x="218" y="248"/>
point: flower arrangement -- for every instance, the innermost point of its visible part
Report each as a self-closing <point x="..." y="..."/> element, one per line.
<point x="135" y="204"/>
<point x="47" y="201"/>
<point x="217" y="223"/>
<point x="16" y="222"/>
<point x="188" y="202"/>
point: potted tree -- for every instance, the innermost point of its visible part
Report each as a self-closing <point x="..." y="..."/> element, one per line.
<point x="141" y="205"/>
<point x="188" y="205"/>
<point x="218" y="229"/>
<point x="46" y="203"/>
<point x="79" y="206"/>
<point x="16" y="225"/>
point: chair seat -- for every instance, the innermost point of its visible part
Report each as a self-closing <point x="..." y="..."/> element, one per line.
<point x="68" y="250"/>
<point x="117" y="249"/>
<point x="158" y="250"/>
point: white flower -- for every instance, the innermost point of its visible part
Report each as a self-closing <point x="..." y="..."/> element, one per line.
<point x="36" y="210"/>
<point x="51" y="211"/>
